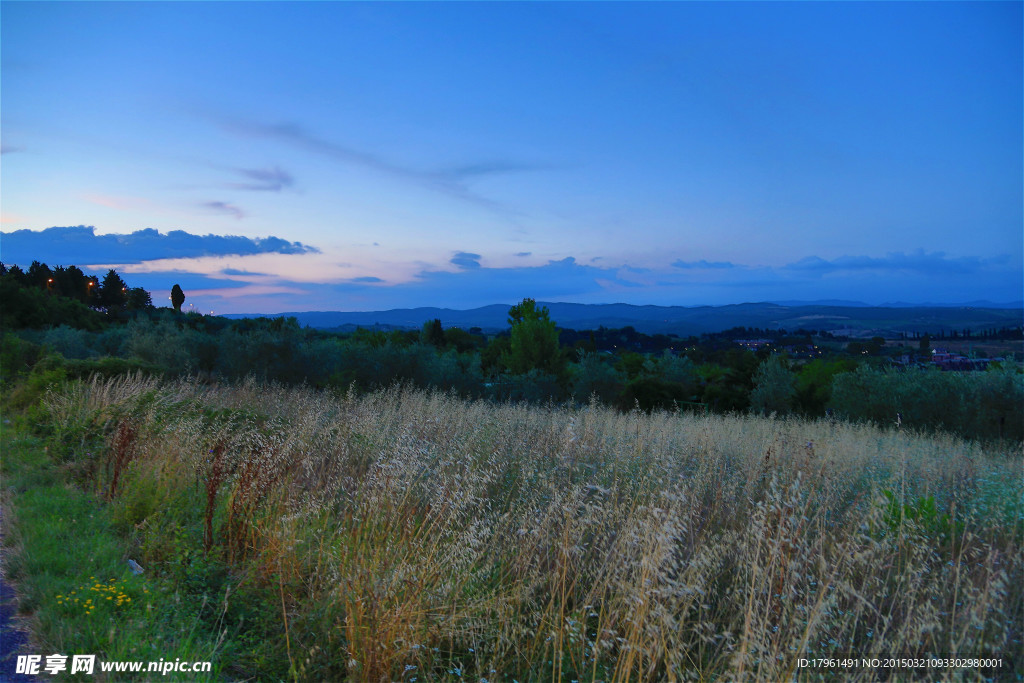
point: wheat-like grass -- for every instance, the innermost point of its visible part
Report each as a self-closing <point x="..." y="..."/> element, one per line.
<point x="414" y="534"/>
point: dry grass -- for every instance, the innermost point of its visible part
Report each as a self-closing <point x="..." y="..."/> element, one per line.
<point x="417" y="536"/>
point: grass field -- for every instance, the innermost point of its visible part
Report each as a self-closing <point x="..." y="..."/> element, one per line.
<point x="401" y="535"/>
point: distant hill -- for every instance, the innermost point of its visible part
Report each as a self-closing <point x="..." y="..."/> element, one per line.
<point x="902" y="304"/>
<point x="849" y="318"/>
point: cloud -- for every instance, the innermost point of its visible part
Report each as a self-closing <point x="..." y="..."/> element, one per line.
<point x="242" y="273"/>
<point x="10" y="149"/>
<point x="702" y="264"/>
<point x="486" y="168"/>
<point x="464" y="259"/>
<point x="478" y="286"/>
<point x="162" y="281"/>
<point x="449" y="181"/>
<point x="263" y="179"/>
<point x="81" y="246"/>
<point x="225" y="208"/>
<point x="920" y="262"/>
<point x="566" y="280"/>
<point x="525" y="253"/>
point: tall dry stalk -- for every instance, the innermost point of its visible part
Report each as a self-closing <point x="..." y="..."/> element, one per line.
<point x="412" y="534"/>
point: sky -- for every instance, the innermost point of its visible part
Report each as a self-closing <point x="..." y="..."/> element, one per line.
<point x="272" y="157"/>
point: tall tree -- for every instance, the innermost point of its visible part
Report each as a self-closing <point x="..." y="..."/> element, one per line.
<point x="113" y="291"/>
<point x="40" y="275"/>
<point x="177" y="297"/>
<point x="138" y="299"/>
<point x="534" y="342"/>
<point x="433" y="333"/>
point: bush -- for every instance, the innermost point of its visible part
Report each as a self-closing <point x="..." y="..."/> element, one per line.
<point x="29" y="307"/>
<point x="534" y="386"/>
<point x="976" y="405"/>
<point x="68" y="341"/>
<point x="17" y="356"/>
<point x="650" y="393"/>
<point x="774" y="387"/>
<point x="595" y="376"/>
<point x="46" y="373"/>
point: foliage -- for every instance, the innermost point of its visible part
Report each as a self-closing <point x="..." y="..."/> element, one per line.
<point x="33" y="307"/>
<point x="814" y="384"/>
<point x="113" y="292"/>
<point x="68" y="341"/>
<point x="73" y="577"/>
<point x="625" y="368"/>
<point x="433" y="333"/>
<point x="774" y="387"/>
<point x="650" y="393"/>
<point x="594" y="375"/>
<point x="177" y="297"/>
<point x="137" y="299"/>
<point x="17" y="356"/>
<point x="534" y="341"/>
<point x="977" y="405"/>
<point x="923" y="514"/>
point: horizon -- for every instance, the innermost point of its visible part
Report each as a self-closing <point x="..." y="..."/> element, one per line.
<point x="371" y="157"/>
<point x="1007" y="305"/>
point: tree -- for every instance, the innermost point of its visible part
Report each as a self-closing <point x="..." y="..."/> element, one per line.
<point x="17" y="275"/>
<point x="593" y="375"/>
<point x="814" y="383"/>
<point x="534" y="340"/>
<point x="177" y="297"/>
<point x="774" y="387"/>
<point x="113" y="291"/>
<point x="40" y="275"/>
<point x="433" y="333"/>
<point x="461" y="341"/>
<point x="138" y="299"/>
<point x="72" y="282"/>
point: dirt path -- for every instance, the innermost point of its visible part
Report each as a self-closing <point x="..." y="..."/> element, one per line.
<point x="13" y="635"/>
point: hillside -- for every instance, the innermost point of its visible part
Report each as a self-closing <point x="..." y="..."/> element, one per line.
<point x="851" y="319"/>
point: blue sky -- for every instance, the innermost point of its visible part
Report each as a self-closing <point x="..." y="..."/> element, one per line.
<point x="357" y="156"/>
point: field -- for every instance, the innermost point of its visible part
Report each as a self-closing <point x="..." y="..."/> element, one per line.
<point x="404" y="535"/>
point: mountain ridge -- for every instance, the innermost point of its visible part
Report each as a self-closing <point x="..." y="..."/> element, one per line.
<point x="851" y="318"/>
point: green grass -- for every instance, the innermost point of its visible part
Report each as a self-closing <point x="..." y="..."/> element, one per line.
<point x="74" y="580"/>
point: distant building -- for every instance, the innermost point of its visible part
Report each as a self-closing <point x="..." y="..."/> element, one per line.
<point x="945" y="360"/>
<point x="752" y="344"/>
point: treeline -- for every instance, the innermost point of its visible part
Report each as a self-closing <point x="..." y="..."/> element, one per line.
<point x="1002" y="333"/>
<point x="44" y="296"/>
<point x="47" y="332"/>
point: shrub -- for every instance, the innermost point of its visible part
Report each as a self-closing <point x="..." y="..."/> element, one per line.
<point x="774" y="387"/>
<point x="17" y="356"/>
<point x="977" y="405"/>
<point x="69" y="342"/>
<point x="595" y="375"/>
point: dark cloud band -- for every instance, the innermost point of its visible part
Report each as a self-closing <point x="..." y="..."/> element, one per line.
<point x="464" y="259"/>
<point x="263" y="179"/>
<point x="80" y="245"/>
